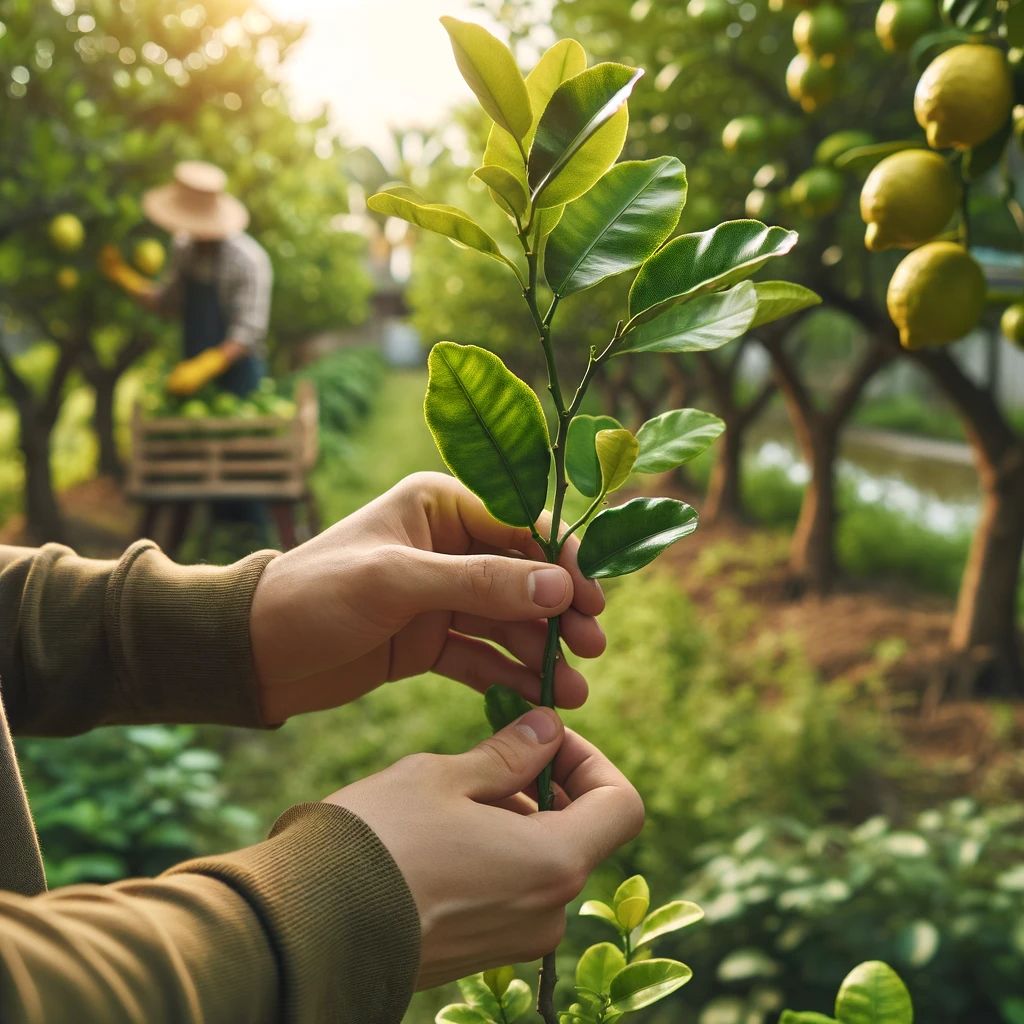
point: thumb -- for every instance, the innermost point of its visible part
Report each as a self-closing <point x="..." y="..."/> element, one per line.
<point x="507" y="762"/>
<point x="492" y="586"/>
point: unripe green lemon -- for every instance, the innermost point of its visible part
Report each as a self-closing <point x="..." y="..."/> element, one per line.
<point x="811" y="82"/>
<point x="936" y="295"/>
<point x="821" y="30"/>
<point x="833" y="146"/>
<point x="907" y="199"/>
<point x="1011" y="323"/>
<point x="759" y="204"/>
<point x="712" y="15"/>
<point x="743" y="134"/>
<point x="66" y="232"/>
<point x="900" y="23"/>
<point x="964" y="96"/>
<point x="818" y="191"/>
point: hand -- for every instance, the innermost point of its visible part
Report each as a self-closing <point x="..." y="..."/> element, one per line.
<point x="192" y="374"/>
<point x="490" y="875"/>
<point x="417" y="581"/>
<point x="114" y="268"/>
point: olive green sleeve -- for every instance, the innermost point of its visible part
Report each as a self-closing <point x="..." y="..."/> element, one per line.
<point x="85" y="642"/>
<point x="314" y="924"/>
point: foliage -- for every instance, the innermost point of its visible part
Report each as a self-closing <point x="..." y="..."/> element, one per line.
<point x="872" y="993"/>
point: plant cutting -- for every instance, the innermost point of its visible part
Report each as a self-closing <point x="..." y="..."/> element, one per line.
<point x="576" y="219"/>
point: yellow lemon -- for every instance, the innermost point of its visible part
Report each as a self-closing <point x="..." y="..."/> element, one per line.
<point x="811" y="82"/>
<point x="908" y="198"/>
<point x="936" y="295"/>
<point x="66" y="232"/>
<point x="149" y="256"/>
<point x="900" y="23"/>
<point x="821" y="30"/>
<point x="1012" y="323"/>
<point x="964" y="96"/>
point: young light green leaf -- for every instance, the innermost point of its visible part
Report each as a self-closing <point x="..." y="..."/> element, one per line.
<point x="502" y="706"/>
<point x="407" y="204"/>
<point x="805" y="1017"/>
<point x="475" y="992"/>
<point x="560" y="63"/>
<point x="581" y="462"/>
<point x="505" y="188"/>
<point x="598" y="965"/>
<point x="873" y="993"/>
<point x="617" y="225"/>
<point x="580" y="133"/>
<point x="578" y="1013"/>
<point x="665" y="920"/>
<point x="461" y="1013"/>
<point x="630" y="912"/>
<point x="705" y="261"/>
<point x="673" y="438"/>
<point x="490" y="430"/>
<point x="634" y="887"/>
<point x="706" y="323"/>
<point x="596" y="908"/>
<point x="490" y="71"/>
<point x="498" y="979"/>
<point x="616" y="452"/>
<point x="517" y="1000"/>
<point x="624" y="539"/>
<point x="776" y="299"/>
<point x="641" y="984"/>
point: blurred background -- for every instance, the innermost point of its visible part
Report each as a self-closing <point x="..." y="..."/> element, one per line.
<point x="819" y="695"/>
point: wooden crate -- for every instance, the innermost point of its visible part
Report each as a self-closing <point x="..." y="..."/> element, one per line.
<point x="266" y="458"/>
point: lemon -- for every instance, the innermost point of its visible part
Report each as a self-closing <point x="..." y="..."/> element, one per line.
<point x="811" y="82"/>
<point x="964" y="96"/>
<point x="900" y="23"/>
<point x="821" y="30"/>
<point x="743" y="134"/>
<point x="67" y="279"/>
<point x="149" y="256"/>
<point x="833" y="146"/>
<point x="66" y="232"/>
<point x="710" y="14"/>
<point x="759" y="204"/>
<point x="1012" y="323"/>
<point x="936" y="295"/>
<point x="908" y="198"/>
<point x="818" y="191"/>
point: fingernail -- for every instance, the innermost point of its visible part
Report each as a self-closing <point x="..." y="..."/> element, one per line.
<point x="547" y="587"/>
<point x="540" y="725"/>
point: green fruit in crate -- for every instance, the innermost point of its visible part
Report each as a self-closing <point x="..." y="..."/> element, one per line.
<point x="247" y="410"/>
<point x="285" y="408"/>
<point x="225" y="404"/>
<point x="267" y="386"/>
<point x="194" y="409"/>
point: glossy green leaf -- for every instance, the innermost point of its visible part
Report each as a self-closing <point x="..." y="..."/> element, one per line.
<point x="505" y="188"/>
<point x="708" y="322"/>
<point x="634" y="887"/>
<point x="776" y="299"/>
<point x="596" y="908"/>
<point x="617" y="225"/>
<point x="630" y="912"/>
<point x="861" y="159"/>
<point x="616" y="452"/>
<point x="407" y="204"/>
<point x="873" y="993"/>
<point x="558" y="64"/>
<point x="461" y="1013"/>
<point x="490" y="430"/>
<point x="503" y="706"/>
<point x="580" y="133"/>
<point x="517" y="1000"/>
<point x="598" y="965"/>
<point x="490" y="71"/>
<point x="498" y="979"/>
<point x="581" y="462"/>
<point x="624" y="539"/>
<point x="643" y="983"/>
<point x="666" y="919"/>
<point x="970" y="15"/>
<point x="475" y="992"/>
<point x="673" y="438"/>
<point x="805" y="1017"/>
<point x="548" y="219"/>
<point x="705" y="261"/>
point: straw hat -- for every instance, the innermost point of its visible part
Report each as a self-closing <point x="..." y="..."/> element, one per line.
<point x="195" y="203"/>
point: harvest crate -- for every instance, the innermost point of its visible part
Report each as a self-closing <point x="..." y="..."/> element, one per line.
<point x="183" y="461"/>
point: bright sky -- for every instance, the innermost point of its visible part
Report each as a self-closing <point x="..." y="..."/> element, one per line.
<point x="376" y="62"/>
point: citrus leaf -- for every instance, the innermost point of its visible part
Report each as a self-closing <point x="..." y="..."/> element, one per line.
<point x="705" y="261"/>
<point x="475" y="991"/>
<point x="641" y="984"/>
<point x="630" y="912"/>
<point x="624" y="539"/>
<point x="490" y="71"/>
<point x="805" y="1017"/>
<point x="776" y="299"/>
<point x="873" y="993"/>
<point x="595" y="908"/>
<point x="616" y="452"/>
<point x="634" y="887"/>
<point x="407" y="204"/>
<point x="498" y="979"/>
<point x="505" y="188"/>
<point x="970" y="15"/>
<point x="558" y="64"/>
<point x="502" y="707"/>
<point x="676" y="437"/>
<point x="490" y="430"/>
<point x="598" y="965"/>
<point x="461" y="1013"/>
<point x="617" y="225"/>
<point x="708" y="322"/>
<point x="860" y="159"/>
<point x="580" y="133"/>
<point x="666" y="919"/>
<point x="581" y="461"/>
<point x="517" y="1000"/>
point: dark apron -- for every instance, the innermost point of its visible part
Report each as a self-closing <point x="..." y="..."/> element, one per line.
<point x="205" y="326"/>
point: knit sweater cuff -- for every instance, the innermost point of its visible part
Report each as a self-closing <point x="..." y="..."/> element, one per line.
<point x="179" y="637"/>
<point x="340" y="917"/>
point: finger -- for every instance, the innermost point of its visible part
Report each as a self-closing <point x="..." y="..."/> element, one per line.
<point x="518" y="803"/>
<point x="505" y="763"/>
<point x="527" y="640"/>
<point x="481" y="666"/>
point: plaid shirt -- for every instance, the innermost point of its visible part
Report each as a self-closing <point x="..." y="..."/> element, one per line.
<point x="241" y="270"/>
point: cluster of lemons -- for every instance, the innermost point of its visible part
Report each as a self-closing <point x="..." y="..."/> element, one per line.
<point x="67" y="235"/>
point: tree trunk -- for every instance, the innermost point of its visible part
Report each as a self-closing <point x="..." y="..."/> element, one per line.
<point x="104" y="386"/>
<point x="43" y="517"/>
<point x="725" y="489"/>
<point x="813" y="554"/>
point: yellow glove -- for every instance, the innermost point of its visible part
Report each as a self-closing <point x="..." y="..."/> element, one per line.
<point x="189" y="376"/>
<point x="113" y="267"/>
